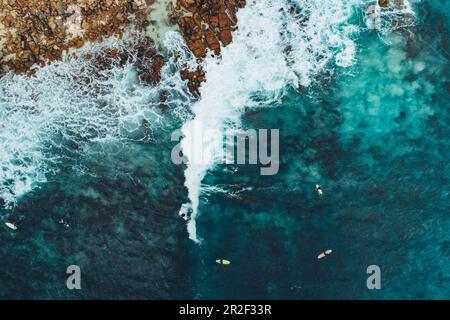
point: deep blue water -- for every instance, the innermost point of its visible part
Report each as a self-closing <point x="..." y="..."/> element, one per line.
<point x="375" y="136"/>
<point x="376" y="139"/>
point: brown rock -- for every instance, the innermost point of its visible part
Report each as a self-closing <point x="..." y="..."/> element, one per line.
<point x="141" y="16"/>
<point x="79" y="43"/>
<point x="43" y="36"/>
<point x="212" y="41"/>
<point x="206" y="24"/>
<point x="36" y="50"/>
<point x="187" y="3"/>
<point x="225" y="36"/>
<point x="148" y="62"/>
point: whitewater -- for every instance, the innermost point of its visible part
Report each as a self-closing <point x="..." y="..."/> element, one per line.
<point x="278" y="44"/>
<point x="53" y="117"/>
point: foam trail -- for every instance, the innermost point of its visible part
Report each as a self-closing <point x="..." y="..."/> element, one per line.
<point x="232" y="192"/>
<point x="278" y="43"/>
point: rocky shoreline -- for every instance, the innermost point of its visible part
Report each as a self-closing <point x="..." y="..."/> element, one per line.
<point x="36" y="32"/>
<point x="205" y="25"/>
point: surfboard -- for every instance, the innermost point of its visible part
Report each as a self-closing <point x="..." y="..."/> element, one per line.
<point x="324" y="254"/>
<point x="223" y="261"/>
<point x="11" y="225"/>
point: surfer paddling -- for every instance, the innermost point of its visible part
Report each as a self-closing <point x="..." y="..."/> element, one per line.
<point x="223" y="261"/>
<point x="324" y="254"/>
<point x="319" y="190"/>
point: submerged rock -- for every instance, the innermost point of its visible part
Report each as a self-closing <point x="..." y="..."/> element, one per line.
<point x="139" y="50"/>
<point x="389" y="15"/>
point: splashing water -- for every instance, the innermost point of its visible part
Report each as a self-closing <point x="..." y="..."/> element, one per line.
<point x="54" y="116"/>
<point x="392" y="17"/>
<point x="278" y="44"/>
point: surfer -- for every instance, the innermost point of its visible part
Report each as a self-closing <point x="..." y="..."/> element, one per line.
<point x="324" y="254"/>
<point x="319" y="190"/>
<point x="185" y="210"/>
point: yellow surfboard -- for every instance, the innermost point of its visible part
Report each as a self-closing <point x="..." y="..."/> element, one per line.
<point x="223" y="261"/>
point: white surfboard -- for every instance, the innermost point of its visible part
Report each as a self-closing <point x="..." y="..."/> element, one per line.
<point x="11" y="225"/>
<point x="324" y="254"/>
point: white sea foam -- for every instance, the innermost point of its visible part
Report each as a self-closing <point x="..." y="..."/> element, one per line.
<point x="229" y="191"/>
<point x="52" y="116"/>
<point x="279" y="43"/>
<point x="49" y="117"/>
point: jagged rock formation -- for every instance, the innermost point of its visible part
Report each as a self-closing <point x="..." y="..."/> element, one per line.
<point x="139" y="51"/>
<point x="205" y="24"/>
<point x="39" y="31"/>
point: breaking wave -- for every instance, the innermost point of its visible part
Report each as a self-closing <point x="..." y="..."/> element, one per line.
<point x="278" y="44"/>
